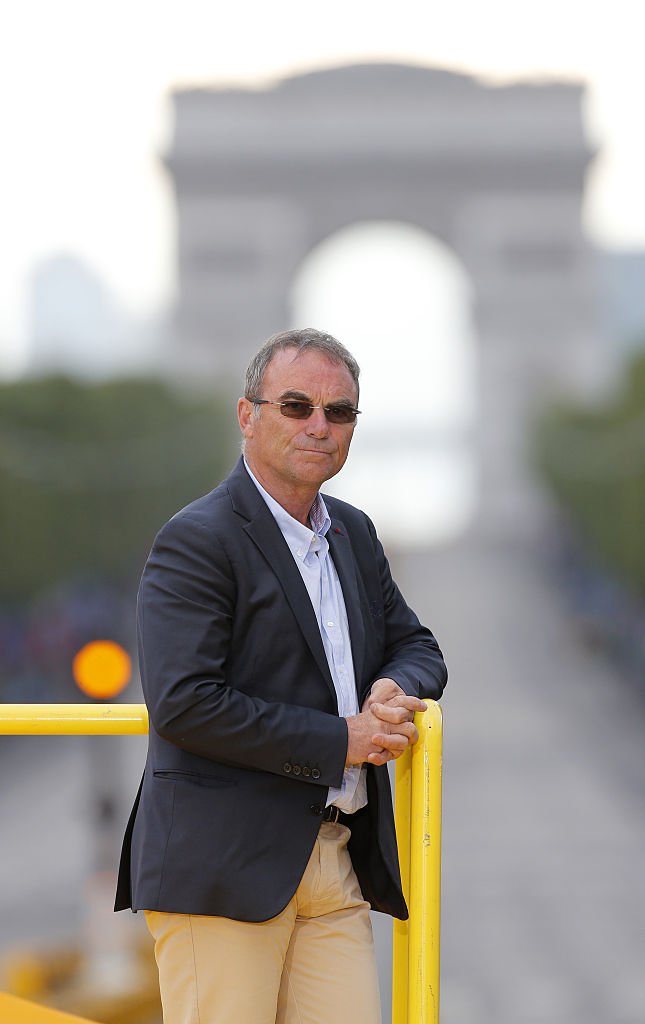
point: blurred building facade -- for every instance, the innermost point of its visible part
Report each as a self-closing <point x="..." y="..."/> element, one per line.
<point x="73" y="320"/>
<point x="496" y="173"/>
<point x="76" y="326"/>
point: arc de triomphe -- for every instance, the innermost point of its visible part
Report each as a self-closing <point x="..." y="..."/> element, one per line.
<point x="495" y="172"/>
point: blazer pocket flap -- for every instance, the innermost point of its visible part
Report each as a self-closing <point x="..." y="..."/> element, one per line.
<point x="194" y="778"/>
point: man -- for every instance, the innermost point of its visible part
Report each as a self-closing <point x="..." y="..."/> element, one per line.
<point x="282" y="670"/>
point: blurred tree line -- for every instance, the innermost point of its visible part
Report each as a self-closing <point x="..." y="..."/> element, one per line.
<point x="88" y="473"/>
<point x="594" y="460"/>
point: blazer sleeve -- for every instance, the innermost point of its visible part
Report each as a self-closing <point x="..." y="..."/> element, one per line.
<point x="412" y="656"/>
<point x="185" y="611"/>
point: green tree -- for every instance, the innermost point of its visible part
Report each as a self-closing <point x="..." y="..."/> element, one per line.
<point x="89" y="472"/>
<point x="594" y="460"/>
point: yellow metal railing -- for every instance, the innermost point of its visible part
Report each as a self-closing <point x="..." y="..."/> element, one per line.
<point x="73" y="719"/>
<point x="415" y="968"/>
<point x="415" y="975"/>
<point x="19" y="1011"/>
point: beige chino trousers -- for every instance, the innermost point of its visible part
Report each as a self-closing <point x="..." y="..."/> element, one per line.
<point x="312" y="964"/>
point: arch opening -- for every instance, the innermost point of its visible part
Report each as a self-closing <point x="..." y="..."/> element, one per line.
<point x="400" y="300"/>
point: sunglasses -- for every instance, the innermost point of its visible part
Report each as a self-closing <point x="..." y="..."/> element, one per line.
<point x="294" y="409"/>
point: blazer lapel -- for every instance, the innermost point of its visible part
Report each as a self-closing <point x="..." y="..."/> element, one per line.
<point x="343" y="556"/>
<point x="266" y="535"/>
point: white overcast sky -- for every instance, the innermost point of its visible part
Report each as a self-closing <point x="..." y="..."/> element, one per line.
<point x="83" y="111"/>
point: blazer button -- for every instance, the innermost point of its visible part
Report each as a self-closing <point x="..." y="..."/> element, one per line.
<point x="315" y="774"/>
<point x="296" y="769"/>
<point x="286" y="767"/>
<point x="316" y="808"/>
<point x="306" y="772"/>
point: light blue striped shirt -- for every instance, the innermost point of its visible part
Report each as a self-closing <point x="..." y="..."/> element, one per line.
<point x="310" y="550"/>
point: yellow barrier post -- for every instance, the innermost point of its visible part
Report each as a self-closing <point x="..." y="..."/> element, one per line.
<point x="415" y="970"/>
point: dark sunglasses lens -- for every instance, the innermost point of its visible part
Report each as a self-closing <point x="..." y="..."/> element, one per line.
<point x="340" y="414"/>
<point x="295" y="410"/>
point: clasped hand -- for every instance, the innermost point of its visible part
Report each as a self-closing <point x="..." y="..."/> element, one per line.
<point x="385" y="727"/>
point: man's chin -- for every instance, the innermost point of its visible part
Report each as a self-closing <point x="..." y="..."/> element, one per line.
<point x="316" y="471"/>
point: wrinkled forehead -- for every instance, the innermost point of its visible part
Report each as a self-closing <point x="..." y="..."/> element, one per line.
<point x="309" y="372"/>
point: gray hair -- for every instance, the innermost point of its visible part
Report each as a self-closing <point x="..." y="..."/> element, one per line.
<point x="301" y="341"/>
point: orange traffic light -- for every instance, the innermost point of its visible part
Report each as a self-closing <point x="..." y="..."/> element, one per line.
<point x="102" y="669"/>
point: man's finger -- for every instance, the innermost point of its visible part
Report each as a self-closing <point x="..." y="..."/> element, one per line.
<point x="404" y="700"/>
<point x="385" y="756"/>
<point x="394" y="741"/>
<point x="396" y="712"/>
<point x="405" y="731"/>
<point x="388" y="713"/>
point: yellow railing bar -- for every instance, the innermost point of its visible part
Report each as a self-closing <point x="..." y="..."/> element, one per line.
<point x="415" y="975"/>
<point x="18" y="1011"/>
<point x="73" y="719"/>
<point x="415" y="969"/>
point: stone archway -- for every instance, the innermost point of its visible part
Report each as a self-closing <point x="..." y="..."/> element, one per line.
<point x="497" y="173"/>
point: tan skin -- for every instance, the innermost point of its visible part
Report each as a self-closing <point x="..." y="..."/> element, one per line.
<point x="292" y="459"/>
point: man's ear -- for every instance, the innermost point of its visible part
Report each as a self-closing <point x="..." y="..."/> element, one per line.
<point x="245" y="416"/>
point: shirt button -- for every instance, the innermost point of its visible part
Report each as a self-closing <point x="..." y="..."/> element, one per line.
<point x="286" y="767"/>
<point x="300" y="552"/>
<point x="315" y="774"/>
<point x="330" y="624"/>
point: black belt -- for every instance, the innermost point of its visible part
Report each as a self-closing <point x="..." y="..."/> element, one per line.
<point x="336" y="816"/>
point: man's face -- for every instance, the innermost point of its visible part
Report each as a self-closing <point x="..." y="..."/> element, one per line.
<point x="298" y="454"/>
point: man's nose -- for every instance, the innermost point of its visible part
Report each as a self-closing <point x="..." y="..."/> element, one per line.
<point x="317" y="424"/>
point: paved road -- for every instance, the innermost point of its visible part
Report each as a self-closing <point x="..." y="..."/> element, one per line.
<point x="48" y="851"/>
<point x="544" y="801"/>
<point x="544" y="807"/>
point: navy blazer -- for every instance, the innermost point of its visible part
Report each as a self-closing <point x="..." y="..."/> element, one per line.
<point x="245" y="738"/>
